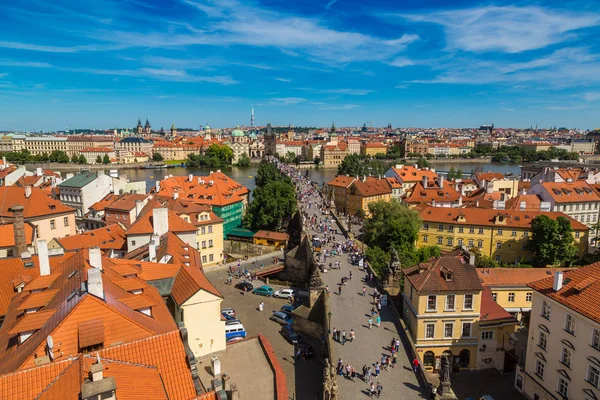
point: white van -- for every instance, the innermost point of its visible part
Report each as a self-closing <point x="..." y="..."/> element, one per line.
<point x="234" y="330"/>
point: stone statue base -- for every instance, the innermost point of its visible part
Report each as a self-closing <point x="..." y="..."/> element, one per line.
<point x="445" y="392"/>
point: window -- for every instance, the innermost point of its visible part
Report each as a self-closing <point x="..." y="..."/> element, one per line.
<point x="494" y="296"/>
<point x="539" y="369"/>
<point x="210" y="229"/>
<point x="528" y="296"/>
<point x="499" y="231"/>
<point x="498" y="259"/>
<point x="511" y="297"/>
<point x="450" y="228"/>
<point x="546" y="310"/>
<point x="593" y="375"/>
<point x="431" y="303"/>
<point x="563" y="387"/>
<point x="577" y="233"/>
<point x="526" y="234"/>
<point x="460" y="242"/>
<point x="481" y="231"/>
<point x="429" y="359"/>
<point x="566" y="356"/>
<point x="440" y="227"/>
<point x="471" y="243"/>
<point x="430" y="331"/>
<point x="450" y="302"/>
<point x="133" y="242"/>
<point x="66" y="221"/>
<point x="52" y="224"/>
<point x="480" y="244"/>
<point x="448" y="328"/>
<point x="514" y="232"/>
<point x="449" y="241"/>
<point x="461" y="229"/>
<point x="204" y="244"/>
<point x="498" y="245"/>
<point x="466" y="329"/>
<point x="543" y="340"/>
<point x="210" y="243"/>
<point x="203" y="259"/>
<point x="440" y="240"/>
<point x="425" y="238"/>
<point x="203" y="230"/>
<point x="468" y="303"/>
<point x="570" y="324"/>
<point x="425" y="226"/>
<point x="464" y="358"/>
<point x="596" y="339"/>
<point x="211" y="258"/>
<point x="471" y="229"/>
<point x="487" y="335"/>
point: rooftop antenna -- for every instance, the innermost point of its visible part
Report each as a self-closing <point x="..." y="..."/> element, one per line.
<point x="50" y="344"/>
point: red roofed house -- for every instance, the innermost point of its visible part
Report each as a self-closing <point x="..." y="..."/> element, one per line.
<point x="332" y="154"/>
<point x="409" y="175"/>
<point x="91" y="154"/>
<point x="352" y="196"/>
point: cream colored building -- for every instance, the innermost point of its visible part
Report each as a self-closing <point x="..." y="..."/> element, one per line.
<point x="563" y="347"/>
<point x="449" y="313"/>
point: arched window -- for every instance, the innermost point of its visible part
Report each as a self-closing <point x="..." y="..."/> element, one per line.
<point x="463" y="358"/>
<point x="428" y="359"/>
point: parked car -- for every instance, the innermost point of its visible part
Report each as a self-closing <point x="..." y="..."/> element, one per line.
<point x="290" y="334"/>
<point x="243" y="285"/>
<point x="228" y="313"/>
<point x="234" y="339"/>
<point x="264" y="291"/>
<point x="284" y="293"/>
<point x="287" y="308"/>
<point x="281" y="318"/>
<point x="232" y="321"/>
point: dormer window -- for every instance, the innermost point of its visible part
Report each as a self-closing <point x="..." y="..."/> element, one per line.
<point x="448" y="276"/>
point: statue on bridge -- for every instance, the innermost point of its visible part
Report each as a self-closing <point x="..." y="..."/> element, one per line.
<point x="330" y="387"/>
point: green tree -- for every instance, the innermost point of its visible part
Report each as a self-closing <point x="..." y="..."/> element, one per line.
<point x="272" y="203"/>
<point x="74" y="159"/>
<point x="350" y="166"/>
<point x="552" y="241"/>
<point x="289" y="157"/>
<point x="218" y="155"/>
<point x="243" y="161"/>
<point x="82" y="159"/>
<point x="423" y="163"/>
<point x="378" y="259"/>
<point x="266" y="173"/>
<point x="98" y="159"/>
<point x="59" y="156"/>
<point x="195" y="160"/>
<point x="157" y="157"/>
<point x="317" y="160"/>
<point x="106" y="159"/>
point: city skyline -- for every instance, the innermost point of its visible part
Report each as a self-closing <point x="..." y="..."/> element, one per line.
<point x="191" y="62"/>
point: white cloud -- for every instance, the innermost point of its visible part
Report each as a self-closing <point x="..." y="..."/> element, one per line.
<point x="340" y="107"/>
<point x="331" y="2"/>
<point x="350" y="92"/>
<point x="286" y="101"/>
<point x="58" y="49"/>
<point x="283" y="80"/>
<point x="591" y="96"/>
<point x="401" y="62"/>
<point x="565" y="108"/>
<point x="509" y="29"/>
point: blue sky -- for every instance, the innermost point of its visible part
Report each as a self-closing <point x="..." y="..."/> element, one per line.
<point x="456" y="63"/>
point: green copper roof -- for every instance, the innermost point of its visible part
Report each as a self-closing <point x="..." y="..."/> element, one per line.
<point x="79" y="180"/>
<point x="237" y="133"/>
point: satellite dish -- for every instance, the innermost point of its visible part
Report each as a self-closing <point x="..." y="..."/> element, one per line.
<point x="51" y="354"/>
<point x="50" y="342"/>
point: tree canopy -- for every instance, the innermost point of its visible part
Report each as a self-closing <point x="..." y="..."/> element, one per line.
<point x="552" y="241"/>
<point x="106" y="159"/>
<point x="215" y="156"/>
<point x="59" y="156"/>
<point x="157" y="157"/>
<point x="243" y="161"/>
<point x="354" y="165"/>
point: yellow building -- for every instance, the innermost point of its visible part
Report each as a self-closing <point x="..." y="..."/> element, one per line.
<point x="332" y="155"/>
<point x="372" y="149"/>
<point x="351" y="195"/>
<point x="499" y="234"/>
<point x="268" y="238"/>
<point x="563" y="345"/>
<point x="448" y="312"/>
<point x="509" y="287"/>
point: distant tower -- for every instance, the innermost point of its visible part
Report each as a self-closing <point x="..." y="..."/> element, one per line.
<point x="252" y="118"/>
<point x="147" y="128"/>
<point x="333" y="126"/>
<point x="270" y="142"/>
<point x="173" y="131"/>
<point x="139" y="128"/>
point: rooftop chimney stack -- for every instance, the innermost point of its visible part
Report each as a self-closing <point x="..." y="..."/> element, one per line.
<point x="489" y="189"/>
<point x="95" y="258"/>
<point x="160" y="218"/>
<point x="157" y="186"/>
<point x="38" y="171"/>
<point x="558" y="281"/>
<point x="27" y="191"/>
<point x="424" y="181"/>
<point x="43" y="259"/>
<point x="460" y="200"/>
<point x="175" y="196"/>
<point x="19" y="229"/>
<point x="97" y="372"/>
<point x="94" y="283"/>
<point x="442" y="181"/>
<point x="191" y="177"/>
<point x="151" y="252"/>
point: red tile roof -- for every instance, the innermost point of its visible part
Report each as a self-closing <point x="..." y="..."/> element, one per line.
<point x="571" y="192"/>
<point x="280" y="236"/>
<point x="371" y="187"/>
<point x="408" y="173"/>
<point x="490" y="311"/>
<point x="494" y="277"/>
<point x="420" y="194"/>
<point x="7" y="234"/>
<point x="145" y="224"/>
<point x="341" y="181"/>
<point x="108" y="237"/>
<point x="36" y="205"/>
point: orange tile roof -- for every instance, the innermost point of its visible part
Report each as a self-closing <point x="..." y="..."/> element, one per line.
<point x="580" y="291"/>
<point x="487" y="217"/>
<point x="394" y="183"/>
<point x="125" y="202"/>
<point x="108" y="237"/>
<point x="420" y="194"/>
<point x="189" y="281"/>
<point x="532" y="202"/>
<point x="408" y="173"/>
<point x="341" y="181"/>
<point x="7" y="234"/>
<point x="374" y="145"/>
<point x="101" y="205"/>
<point x="91" y="333"/>
<point x="489" y="310"/>
<point x="371" y="187"/>
<point x="145" y="224"/>
<point x="129" y="284"/>
<point x="147" y="271"/>
<point x="571" y="192"/>
<point x="488" y="176"/>
<point x="32" y="321"/>
<point x="41" y="282"/>
<point x="36" y="205"/>
<point x="137" y="301"/>
<point x="38" y="299"/>
<point x="28" y="384"/>
<point x="281" y="236"/>
<point x="514" y="276"/>
<point x="97" y="149"/>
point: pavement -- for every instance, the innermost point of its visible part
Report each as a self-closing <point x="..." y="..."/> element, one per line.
<point x="350" y="310"/>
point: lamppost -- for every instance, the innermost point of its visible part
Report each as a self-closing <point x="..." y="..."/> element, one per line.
<point x="329" y="322"/>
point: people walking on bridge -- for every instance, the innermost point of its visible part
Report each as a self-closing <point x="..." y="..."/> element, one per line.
<point x="344" y="337"/>
<point x="370" y="322"/>
<point x="378" y="320"/>
<point x="352" y="335"/>
<point x="364" y="291"/>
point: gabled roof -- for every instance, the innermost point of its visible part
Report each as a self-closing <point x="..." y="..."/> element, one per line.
<point x="532" y="202"/>
<point x="145" y="224"/>
<point x="341" y="181"/>
<point x="490" y="311"/>
<point x="108" y="237"/>
<point x="427" y="277"/>
<point x="420" y="194"/>
<point x="38" y="204"/>
<point x="580" y="291"/>
<point x="571" y="192"/>
<point x="371" y="186"/>
<point x="408" y="173"/>
<point x="496" y="277"/>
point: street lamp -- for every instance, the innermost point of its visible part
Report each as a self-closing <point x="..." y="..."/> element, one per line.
<point x="329" y="325"/>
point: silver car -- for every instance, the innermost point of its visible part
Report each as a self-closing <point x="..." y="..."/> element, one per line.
<point x="284" y="293"/>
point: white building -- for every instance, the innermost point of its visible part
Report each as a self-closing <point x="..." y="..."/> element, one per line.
<point x="84" y="189"/>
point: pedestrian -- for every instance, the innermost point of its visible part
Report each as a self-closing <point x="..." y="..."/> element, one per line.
<point x="340" y="290"/>
<point x="379" y="388"/>
<point x="327" y="290"/>
<point x="387" y="363"/>
<point x="378" y="321"/>
<point x="352" y="335"/>
<point x="373" y="311"/>
<point x="433" y="392"/>
<point x="245" y="290"/>
<point x="397" y="345"/>
<point x="364" y="372"/>
<point x="369" y="374"/>
<point x="415" y="364"/>
<point x="353" y="374"/>
<point x="377" y="369"/>
<point x="348" y="370"/>
<point x="334" y="332"/>
<point x="372" y="390"/>
<point x="364" y="291"/>
<point x="344" y="337"/>
<point x="298" y="353"/>
<point x="370" y="322"/>
<point x="394" y="359"/>
<point x="378" y="305"/>
<point x="393" y="344"/>
<point x="261" y="306"/>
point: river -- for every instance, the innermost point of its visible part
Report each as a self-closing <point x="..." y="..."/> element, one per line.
<point x="245" y="175"/>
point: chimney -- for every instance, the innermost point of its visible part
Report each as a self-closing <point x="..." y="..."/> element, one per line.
<point x="424" y="181"/>
<point x="151" y="252"/>
<point x="95" y="257"/>
<point x="43" y="259"/>
<point x="94" y="283"/>
<point x="463" y="191"/>
<point x="175" y="196"/>
<point x="138" y="208"/>
<point x="471" y="258"/>
<point x="27" y="191"/>
<point x="160" y="218"/>
<point x="364" y="178"/>
<point x="442" y="181"/>
<point x="460" y="201"/>
<point x="558" y="281"/>
<point x="19" y="229"/>
<point x="38" y="171"/>
<point x="212" y="172"/>
<point x="433" y="203"/>
<point x="199" y="180"/>
<point x="489" y="187"/>
<point x="157" y="187"/>
<point x="523" y="192"/>
<point x="191" y="177"/>
<point x="97" y="371"/>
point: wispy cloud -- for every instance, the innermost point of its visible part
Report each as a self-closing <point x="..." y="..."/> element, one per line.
<point x="331" y="2"/>
<point x="286" y="101"/>
<point x="283" y="79"/>
<point x="59" y="49"/>
<point x="350" y="92"/>
<point x="401" y="62"/>
<point x="566" y="108"/>
<point x="591" y="96"/>
<point x="509" y="29"/>
<point x="340" y="107"/>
